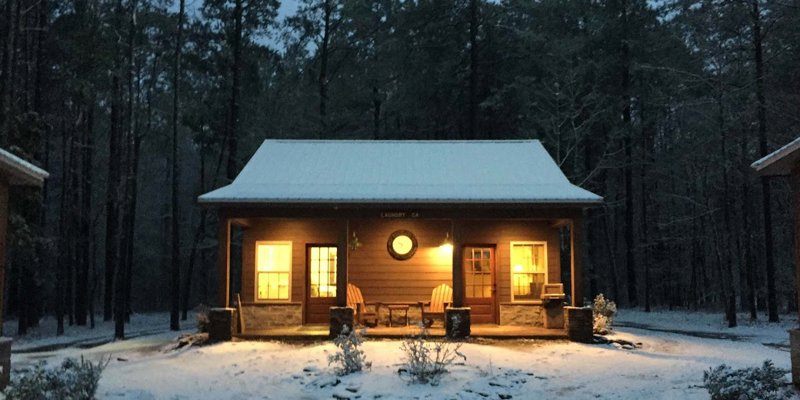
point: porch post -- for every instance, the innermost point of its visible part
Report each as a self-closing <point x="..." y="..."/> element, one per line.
<point x="794" y="182"/>
<point x="224" y="260"/>
<point x="341" y="264"/>
<point x="576" y="258"/>
<point x="458" y="266"/>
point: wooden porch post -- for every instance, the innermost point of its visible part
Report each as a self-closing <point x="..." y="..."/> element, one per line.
<point x="576" y="258"/>
<point x="224" y="260"/>
<point x="3" y="246"/>
<point x="341" y="264"/>
<point x="458" y="266"/>
<point x="794" y="180"/>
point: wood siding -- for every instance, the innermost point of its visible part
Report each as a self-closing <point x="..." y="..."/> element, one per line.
<point x="300" y="233"/>
<point x="382" y="278"/>
<point x="502" y="233"/>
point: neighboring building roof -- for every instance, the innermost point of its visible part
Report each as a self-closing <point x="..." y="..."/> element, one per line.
<point x="19" y="172"/>
<point x="348" y="171"/>
<point x="781" y="161"/>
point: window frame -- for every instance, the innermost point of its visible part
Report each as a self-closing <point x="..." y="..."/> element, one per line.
<point x="309" y="248"/>
<point x="511" y="268"/>
<point x="256" y="272"/>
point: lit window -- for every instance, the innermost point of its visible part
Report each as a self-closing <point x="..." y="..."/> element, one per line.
<point x="322" y="271"/>
<point x="273" y="270"/>
<point x="528" y="270"/>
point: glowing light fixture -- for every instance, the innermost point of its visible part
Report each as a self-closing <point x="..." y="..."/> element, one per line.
<point x="447" y="243"/>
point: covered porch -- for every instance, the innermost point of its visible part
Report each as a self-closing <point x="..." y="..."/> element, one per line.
<point x="329" y="248"/>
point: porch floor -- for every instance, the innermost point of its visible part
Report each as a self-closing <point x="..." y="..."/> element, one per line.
<point x="488" y="331"/>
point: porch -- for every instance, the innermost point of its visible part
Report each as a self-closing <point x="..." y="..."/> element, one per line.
<point x="498" y="268"/>
<point x="479" y="331"/>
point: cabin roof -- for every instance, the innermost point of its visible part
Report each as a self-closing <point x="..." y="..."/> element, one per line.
<point x="781" y="161"/>
<point x="361" y="171"/>
<point x="20" y="172"/>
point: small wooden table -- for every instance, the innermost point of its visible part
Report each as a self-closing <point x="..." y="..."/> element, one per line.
<point x="398" y="307"/>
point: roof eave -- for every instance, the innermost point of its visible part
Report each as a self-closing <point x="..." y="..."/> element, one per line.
<point x="418" y="202"/>
<point x="780" y="162"/>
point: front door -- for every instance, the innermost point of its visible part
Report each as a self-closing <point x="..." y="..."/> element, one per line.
<point x="320" y="282"/>
<point x="479" y="284"/>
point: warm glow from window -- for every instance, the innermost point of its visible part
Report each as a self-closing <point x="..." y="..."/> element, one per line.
<point x="322" y="271"/>
<point x="530" y="270"/>
<point x="273" y="270"/>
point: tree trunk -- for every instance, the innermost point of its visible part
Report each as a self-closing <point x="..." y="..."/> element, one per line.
<point x="62" y="237"/>
<point x="112" y="200"/>
<point x="121" y="306"/>
<point x="233" y="127"/>
<point x="175" y="268"/>
<point x="628" y="148"/>
<point x="327" y="10"/>
<point x="772" y="300"/>
<point x="85" y="217"/>
<point x="7" y="87"/>
<point x="473" y="69"/>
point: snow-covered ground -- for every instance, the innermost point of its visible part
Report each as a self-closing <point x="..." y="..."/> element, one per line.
<point x="667" y="366"/>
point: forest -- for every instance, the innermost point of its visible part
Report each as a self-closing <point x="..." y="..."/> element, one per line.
<point x="137" y="106"/>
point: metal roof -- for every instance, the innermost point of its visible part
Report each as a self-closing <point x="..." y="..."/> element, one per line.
<point x="20" y="172"/>
<point x="359" y="171"/>
<point x="781" y="161"/>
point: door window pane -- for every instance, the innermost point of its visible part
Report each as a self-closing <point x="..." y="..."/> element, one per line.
<point x="478" y="273"/>
<point x="322" y="272"/>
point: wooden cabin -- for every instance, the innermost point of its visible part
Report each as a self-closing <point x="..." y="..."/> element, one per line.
<point x="397" y="219"/>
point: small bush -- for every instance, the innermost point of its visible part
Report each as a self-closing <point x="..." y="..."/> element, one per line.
<point x="765" y="383"/>
<point x="350" y="357"/>
<point x="427" y="360"/>
<point x="203" y="320"/>
<point x="603" y="311"/>
<point x="73" y="380"/>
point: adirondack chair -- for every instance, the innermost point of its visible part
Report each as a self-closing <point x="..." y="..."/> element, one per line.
<point x="356" y="301"/>
<point x="441" y="297"/>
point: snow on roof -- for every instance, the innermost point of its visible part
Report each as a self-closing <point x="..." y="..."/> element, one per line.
<point x="781" y="161"/>
<point x="19" y="171"/>
<point x="347" y="171"/>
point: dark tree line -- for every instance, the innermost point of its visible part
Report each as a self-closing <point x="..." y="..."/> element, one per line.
<point x="137" y="106"/>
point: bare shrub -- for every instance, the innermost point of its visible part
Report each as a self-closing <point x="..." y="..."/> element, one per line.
<point x="203" y="320"/>
<point x="350" y="357"/>
<point x="603" y="311"/>
<point x="427" y="360"/>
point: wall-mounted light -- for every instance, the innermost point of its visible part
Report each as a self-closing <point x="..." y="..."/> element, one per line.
<point x="447" y="243"/>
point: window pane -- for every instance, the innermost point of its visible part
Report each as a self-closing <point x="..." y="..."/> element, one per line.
<point x="528" y="268"/>
<point x="273" y="266"/>
<point x="273" y="257"/>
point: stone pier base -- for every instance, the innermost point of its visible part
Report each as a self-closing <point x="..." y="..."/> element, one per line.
<point x="340" y="317"/>
<point x="457" y="322"/>
<point x="221" y="324"/>
<point x="794" y="353"/>
<point x="579" y="324"/>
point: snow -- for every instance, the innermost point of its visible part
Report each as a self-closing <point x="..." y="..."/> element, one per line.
<point x="302" y="171"/>
<point x="667" y="366"/>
